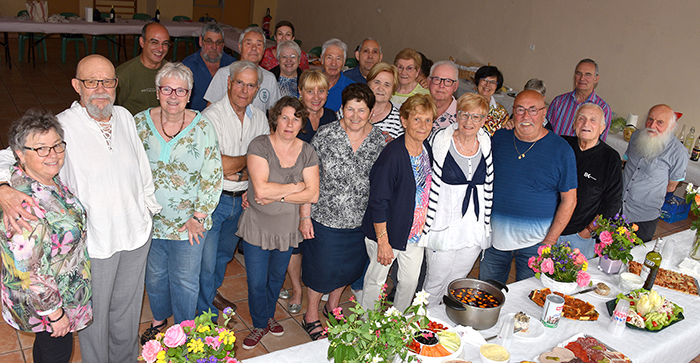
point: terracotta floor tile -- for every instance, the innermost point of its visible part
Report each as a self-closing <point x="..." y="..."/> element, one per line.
<point x="241" y="353"/>
<point x="236" y="323"/>
<point x="26" y="340"/>
<point x="10" y="342"/>
<point x="234" y="268"/>
<point x="304" y="300"/>
<point x="234" y="288"/>
<point x="293" y="335"/>
<point x="13" y="357"/>
<point x="243" y="313"/>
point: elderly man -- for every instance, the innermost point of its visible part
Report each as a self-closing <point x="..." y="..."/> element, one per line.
<point x="563" y="108"/>
<point x="251" y="45"/>
<point x="527" y="188"/>
<point x="367" y="54"/>
<point x="656" y="163"/>
<point x="443" y="82"/>
<point x="333" y="55"/>
<point x="237" y="122"/>
<point x="137" y="85"/>
<point x="599" y="171"/>
<point x="206" y="62"/>
<point x="107" y="168"/>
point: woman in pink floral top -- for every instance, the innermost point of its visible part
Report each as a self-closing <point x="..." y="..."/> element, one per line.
<point x="45" y="269"/>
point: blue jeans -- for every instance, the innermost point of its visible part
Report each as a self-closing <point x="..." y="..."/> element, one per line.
<point x="219" y="247"/>
<point x="172" y="278"/>
<point x="585" y="245"/>
<point x="265" y="276"/>
<point x="496" y="264"/>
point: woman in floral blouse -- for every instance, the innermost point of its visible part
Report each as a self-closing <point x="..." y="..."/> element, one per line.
<point x="45" y="269"/>
<point x="488" y="80"/>
<point x="183" y="151"/>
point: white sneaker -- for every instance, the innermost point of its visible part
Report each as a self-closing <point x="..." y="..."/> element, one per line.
<point x="358" y="295"/>
<point x="324" y="297"/>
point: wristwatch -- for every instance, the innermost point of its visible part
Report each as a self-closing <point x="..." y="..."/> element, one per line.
<point x="200" y="220"/>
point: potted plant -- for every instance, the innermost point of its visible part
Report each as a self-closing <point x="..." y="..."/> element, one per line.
<point x="692" y="197"/>
<point x="560" y="268"/>
<point x="616" y="239"/>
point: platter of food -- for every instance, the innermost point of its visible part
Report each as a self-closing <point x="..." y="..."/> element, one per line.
<point x="436" y="342"/>
<point x="601" y="289"/>
<point x="529" y="328"/>
<point x="669" y="279"/>
<point x="582" y="348"/>
<point x="574" y="309"/>
<point x="648" y="310"/>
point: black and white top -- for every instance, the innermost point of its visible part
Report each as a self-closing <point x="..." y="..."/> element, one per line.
<point x="391" y="124"/>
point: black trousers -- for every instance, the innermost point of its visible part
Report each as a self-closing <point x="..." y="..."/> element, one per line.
<point x="52" y="350"/>
<point x="647" y="229"/>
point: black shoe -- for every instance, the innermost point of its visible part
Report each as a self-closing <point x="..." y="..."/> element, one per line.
<point x="222" y="303"/>
<point x="152" y="331"/>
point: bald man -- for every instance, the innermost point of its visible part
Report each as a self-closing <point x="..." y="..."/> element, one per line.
<point x="108" y="170"/>
<point x="656" y="163"/>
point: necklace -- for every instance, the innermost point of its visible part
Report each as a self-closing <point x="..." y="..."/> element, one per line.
<point x="520" y="156"/>
<point x="375" y="112"/>
<point x="362" y="137"/>
<point x="476" y="142"/>
<point x="162" y="125"/>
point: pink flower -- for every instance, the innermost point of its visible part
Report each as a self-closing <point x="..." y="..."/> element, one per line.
<point x="577" y="251"/>
<point x="212" y="342"/>
<point x="150" y="351"/>
<point x="539" y="250"/>
<point x="187" y="323"/>
<point x="606" y="238"/>
<point x="174" y="336"/>
<point x="547" y="266"/>
<point x="231" y="360"/>
<point x="580" y="259"/>
<point x="352" y="298"/>
<point x="583" y="278"/>
<point x="338" y="312"/>
<point x="599" y="249"/>
<point x="532" y="263"/>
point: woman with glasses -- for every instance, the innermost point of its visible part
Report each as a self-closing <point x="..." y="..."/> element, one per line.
<point x="45" y="269"/>
<point x="488" y="80"/>
<point x="457" y="225"/>
<point x="183" y="151"/>
<point x="288" y="71"/>
<point x="408" y="63"/>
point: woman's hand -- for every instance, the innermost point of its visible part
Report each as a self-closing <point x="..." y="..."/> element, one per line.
<point x="244" y="200"/>
<point x="306" y="228"/>
<point x="195" y="230"/>
<point x="263" y="201"/>
<point x="385" y="254"/>
<point x="62" y="326"/>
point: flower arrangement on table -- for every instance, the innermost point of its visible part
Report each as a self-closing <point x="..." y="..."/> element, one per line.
<point x="376" y="335"/>
<point x="692" y="197"/>
<point x="199" y="340"/>
<point x="561" y="263"/>
<point x="617" y="238"/>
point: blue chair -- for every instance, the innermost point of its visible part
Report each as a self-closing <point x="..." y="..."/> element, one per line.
<point x="139" y="16"/>
<point x="111" y="41"/>
<point x="24" y="37"/>
<point x="186" y="40"/>
<point x="77" y="38"/>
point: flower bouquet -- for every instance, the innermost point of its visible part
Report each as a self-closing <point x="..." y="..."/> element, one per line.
<point x="692" y="197"/>
<point x="617" y="238"/>
<point x="561" y="264"/>
<point x="375" y="335"/>
<point x="199" y="340"/>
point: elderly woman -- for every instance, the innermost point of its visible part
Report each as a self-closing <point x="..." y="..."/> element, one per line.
<point x="408" y="63"/>
<point x="287" y="72"/>
<point x="488" y="80"/>
<point x="283" y="174"/>
<point x="284" y="31"/>
<point x="333" y="56"/>
<point x="457" y="226"/>
<point x="334" y="252"/>
<point x="45" y="269"/>
<point x="183" y="152"/>
<point x="400" y="182"/>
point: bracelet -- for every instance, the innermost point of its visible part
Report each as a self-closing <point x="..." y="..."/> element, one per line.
<point x="381" y="235"/>
<point x="63" y="313"/>
<point x="302" y="218"/>
<point x="5" y="183"/>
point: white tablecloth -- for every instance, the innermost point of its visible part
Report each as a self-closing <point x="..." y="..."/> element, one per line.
<point x="130" y="26"/>
<point x="675" y="344"/>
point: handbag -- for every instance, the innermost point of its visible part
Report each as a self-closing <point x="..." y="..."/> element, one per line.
<point x="38" y="10"/>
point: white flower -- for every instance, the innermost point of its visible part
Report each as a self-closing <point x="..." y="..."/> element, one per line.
<point x="377" y="324"/>
<point x="689" y="188"/>
<point x="392" y="311"/>
<point x="421" y="298"/>
<point x="377" y="359"/>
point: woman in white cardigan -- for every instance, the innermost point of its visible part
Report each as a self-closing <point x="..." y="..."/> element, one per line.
<point x="457" y="227"/>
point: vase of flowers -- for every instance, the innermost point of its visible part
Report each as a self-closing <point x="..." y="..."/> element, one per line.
<point x="376" y="335"/>
<point x="692" y="197"/>
<point x="616" y="239"/>
<point x="560" y="268"/>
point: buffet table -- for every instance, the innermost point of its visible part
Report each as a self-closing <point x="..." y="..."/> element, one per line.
<point x="677" y="343"/>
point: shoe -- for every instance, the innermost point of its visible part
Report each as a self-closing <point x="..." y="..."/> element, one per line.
<point x="358" y="295"/>
<point x="294" y="308"/>
<point x="274" y="327"/>
<point x="327" y="313"/>
<point x="285" y="294"/>
<point x="254" y="338"/>
<point x="310" y="327"/>
<point x="221" y="303"/>
<point x="152" y="331"/>
<point x="324" y="297"/>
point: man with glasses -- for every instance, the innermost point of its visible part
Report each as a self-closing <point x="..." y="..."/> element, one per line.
<point x="137" y="85"/>
<point x="442" y="83"/>
<point x="106" y="165"/>
<point x="367" y="54"/>
<point x="205" y="63"/>
<point x="527" y="187"/>
<point x="563" y="108"/>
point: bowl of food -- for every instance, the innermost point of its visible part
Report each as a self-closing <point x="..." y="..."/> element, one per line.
<point x="474" y="303"/>
<point x="493" y="353"/>
<point x="630" y="282"/>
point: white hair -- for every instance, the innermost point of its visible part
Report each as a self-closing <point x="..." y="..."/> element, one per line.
<point x="249" y="29"/>
<point x="288" y="44"/>
<point x="335" y="42"/>
<point x="240" y="66"/>
<point x="446" y="63"/>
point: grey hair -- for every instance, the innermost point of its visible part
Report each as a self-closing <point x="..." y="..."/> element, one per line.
<point x="447" y="63"/>
<point x="175" y="70"/>
<point x="537" y="85"/>
<point x="335" y="42"/>
<point x="359" y="47"/>
<point x="34" y="121"/>
<point x="594" y="107"/>
<point x="240" y="66"/>
<point x="214" y="28"/>
<point x="288" y="44"/>
<point x="590" y="61"/>
<point x="249" y="29"/>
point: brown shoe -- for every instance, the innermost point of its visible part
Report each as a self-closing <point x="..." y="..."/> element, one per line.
<point x="221" y="303"/>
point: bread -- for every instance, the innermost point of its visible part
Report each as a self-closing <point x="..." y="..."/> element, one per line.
<point x="602" y="289"/>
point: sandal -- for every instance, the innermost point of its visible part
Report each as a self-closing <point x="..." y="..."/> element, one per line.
<point x="152" y="331"/>
<point x="310" y="327"/>
<point x="327" y="313"/>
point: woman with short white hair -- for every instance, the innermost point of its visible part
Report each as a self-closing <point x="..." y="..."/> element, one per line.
<point x="287" y="72"/>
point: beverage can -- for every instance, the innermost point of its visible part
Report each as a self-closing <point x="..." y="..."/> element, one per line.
<point x="551" y="314"/>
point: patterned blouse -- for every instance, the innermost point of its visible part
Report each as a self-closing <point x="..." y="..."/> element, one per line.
<point x="496" y="117"/>
<point x="48" y="267"/>
<point x="187" y="173"/>
<point x="344" y="184"/>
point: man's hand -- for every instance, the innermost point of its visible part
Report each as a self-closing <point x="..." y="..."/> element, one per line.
<point x="509" y="125"/>
<point x="244" y="200"/>
<point x="14" y="216"/>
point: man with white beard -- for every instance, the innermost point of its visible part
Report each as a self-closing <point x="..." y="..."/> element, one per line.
<point x="656" y="163"/>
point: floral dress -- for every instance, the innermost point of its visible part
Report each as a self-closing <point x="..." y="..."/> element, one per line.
<point x="47" y="267"/>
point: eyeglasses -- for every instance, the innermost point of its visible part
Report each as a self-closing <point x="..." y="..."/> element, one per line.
<point x="447" y="81"/>
<point x="44" y="151"/>
<point x="407" y="69"/>
<point x="180" y="92"/>
<point x="584" y="75"/>
<point x="240" y="84"/>
<point x="93" y="83"/>
<point x="488" y="81"/>
<point x="155" y="43"/>
<point x="532" y="111"/>
<point x="475" y="117"/>
<point x="291" y="56"/>
<point x="210" y="42"/>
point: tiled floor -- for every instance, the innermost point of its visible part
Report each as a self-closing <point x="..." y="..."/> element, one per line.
<point x="48" y="86"/>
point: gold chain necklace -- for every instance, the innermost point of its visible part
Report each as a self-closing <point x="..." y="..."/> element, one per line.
<point x="520" y="156"/>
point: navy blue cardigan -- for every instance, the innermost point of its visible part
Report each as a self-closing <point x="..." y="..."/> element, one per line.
<point x="392" y="193"/>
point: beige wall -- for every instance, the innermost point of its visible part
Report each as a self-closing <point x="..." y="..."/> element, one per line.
<point x="647" y="51"/>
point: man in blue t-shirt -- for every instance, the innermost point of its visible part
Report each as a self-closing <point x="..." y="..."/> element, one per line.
<point x="534" y="190"/>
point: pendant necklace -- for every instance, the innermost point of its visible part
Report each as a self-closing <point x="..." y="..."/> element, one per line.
<point x="521" y="156"/>
<point x="162" y="125"/>
<point x="476" y="142"/>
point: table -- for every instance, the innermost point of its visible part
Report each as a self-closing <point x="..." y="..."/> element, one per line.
<point x="677" y="343"/>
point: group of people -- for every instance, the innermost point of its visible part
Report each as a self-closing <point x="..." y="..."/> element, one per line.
<point x="160" y="169"/>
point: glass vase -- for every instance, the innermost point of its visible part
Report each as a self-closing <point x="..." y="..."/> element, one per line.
<point x="695" y="248"/>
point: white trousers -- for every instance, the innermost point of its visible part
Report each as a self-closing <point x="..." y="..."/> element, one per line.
<point x="444" y="267"/>
<point x="409" y="264"/>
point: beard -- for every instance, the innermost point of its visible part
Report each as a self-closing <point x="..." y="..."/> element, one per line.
<point x="97" y="112"/>
<point x="651" y="143"/>
<point x="211" y="59"/>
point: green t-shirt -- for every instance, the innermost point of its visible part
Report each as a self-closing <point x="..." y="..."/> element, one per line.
<point x="137" y="86"/>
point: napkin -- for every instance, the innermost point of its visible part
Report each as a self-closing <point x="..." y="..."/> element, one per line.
<point x="691" y="267"/>
<point x="469" y="335"/>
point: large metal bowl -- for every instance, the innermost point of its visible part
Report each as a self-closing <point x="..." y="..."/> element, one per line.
<point x="476" y="317"/>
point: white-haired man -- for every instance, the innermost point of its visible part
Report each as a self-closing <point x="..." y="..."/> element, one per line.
<point x="443" y="82"/>
<point x="333" y="55"/>
<point x="656" y="163"/>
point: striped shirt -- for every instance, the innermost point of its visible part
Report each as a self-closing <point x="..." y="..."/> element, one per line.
<point x="562" y="110"/>
<point x="391" y="124"/>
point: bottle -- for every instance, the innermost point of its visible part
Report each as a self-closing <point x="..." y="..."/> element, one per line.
<point x="618" y="321"/>
<point x="695" y="155"/>
<point x="652" y="262"/>
<point x="158" y="14"/>
<point x="688" y="142"/>
<point x="112" y="15"/>
<point x="681" y="136"/>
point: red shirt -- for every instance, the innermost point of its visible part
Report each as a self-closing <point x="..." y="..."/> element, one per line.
<point x="269" y="59"/>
